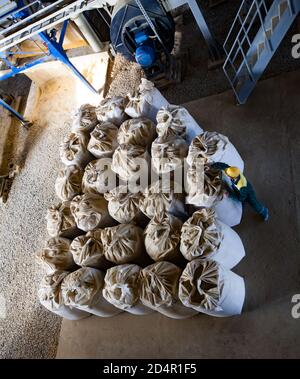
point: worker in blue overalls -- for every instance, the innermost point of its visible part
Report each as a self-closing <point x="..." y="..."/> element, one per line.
<point x="242" y="190"/>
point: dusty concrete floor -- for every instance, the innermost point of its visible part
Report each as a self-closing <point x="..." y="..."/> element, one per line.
<point x="266" y="132"/>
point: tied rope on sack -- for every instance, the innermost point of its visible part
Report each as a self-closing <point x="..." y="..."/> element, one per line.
<point x="56" y="255"/>
<point x="60" y="221"/>
<point x="90" y="212"/>
<point x="49" y="295"/>
<point x="103" y="140"/>
<point x="140" y="103"/>
<point x="85" y="119"/>
<point x="73" y="150"/>
<point x="98" y="177"/>
<point x="171" y="121"/>
<point x="88" y="250"/>
<point x="200" y="235"/>
<point x="159" y="284"/>
<point x="160" y="197"/>
<point x="200" y="285"/>
<point x="112" y="109"/>
<point x="209" y="147"/>
<point x="168" y="154"/>
<point x="123" y="205"/>
<point x="126" y="160"/>
<point x="123" y="243"/>
<point x="122" y="286"/>
<point x="206" y="191"/>
<point x="68" y="183"/>
<point x="162" y="237"/>
<point x="138" y="131"/>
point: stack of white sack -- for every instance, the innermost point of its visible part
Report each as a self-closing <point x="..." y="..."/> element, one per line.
<point x="203" y="236"/>
<point x="210" y="288"/>
<point x="159" y="290"/>
<point x="82" y="289"/>
<point x="122" y="289"/>
<point x="49" y="295"/>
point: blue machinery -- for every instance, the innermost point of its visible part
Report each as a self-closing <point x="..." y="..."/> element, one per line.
<point x="36" y="19"/>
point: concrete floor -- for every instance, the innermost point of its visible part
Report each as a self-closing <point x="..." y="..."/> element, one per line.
<point x="266" y="132"/>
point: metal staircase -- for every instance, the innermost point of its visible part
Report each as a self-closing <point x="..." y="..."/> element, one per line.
<point x="256" y="33"/>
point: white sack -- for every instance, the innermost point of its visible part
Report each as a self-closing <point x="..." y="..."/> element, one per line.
<point x="137" y="131"/>
<point x="90" y="212"/>
<point x="82" y="289"/>
<point x="88" y="250"/>
<point x="214" y="147"/>
<point x="122" y="287"/>
<point x="49" y="294"/>
<point x="103" y="140"/>
<point x="229" y="211"/>
<point x="73" y="150"/>
<point x="210" y="288"/>
<point x="159" y="290"/>
<point x="56" y="255"/>
<point x="112" y="109"/>
<point x="85" y="119"/>
<point x="61" y="222"/>
<point x="98" y="178"/>
<point x="146" y="102"/>
<point x="68" y="183"/>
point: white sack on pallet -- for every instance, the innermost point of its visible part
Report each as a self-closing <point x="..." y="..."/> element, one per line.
<point x="159" y="290"/>
<point x="176" y="120"/>
<point x="90" y="212"/>
<point x="128" y="160"/>
<point x="112" y="109"/>
<point x="88" y="250"/>
<point x="204" y="187"/>
<point x="49" y="294"/>
<point x="214" y="147"/>
<point x="204" y="236"/>
<point x="137" y="131"/>
<point x="162" y="237"/>
<point x="122" y="289"/>
<point x="61" y="222"/>
<point x="85" y="119"/>
<point x="123" y="243"/>
<point x="168" y="154"/>
<point x="68" y="183"/>
<point x="103" y="140"/>
<point x="123" y="205"/>
<point x="229" y="211"/>
<point x="160" y="197"/>
<point x="146" y="102"/>
<point x="98" y="177"/>
<point x="56" y="255"/>
<point x="82" y="289"/>
<point x="73" y="150"/>
<point x="210" y="288"/>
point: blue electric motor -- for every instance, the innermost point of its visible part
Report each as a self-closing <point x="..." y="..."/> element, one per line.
<point x="132" y="36"/>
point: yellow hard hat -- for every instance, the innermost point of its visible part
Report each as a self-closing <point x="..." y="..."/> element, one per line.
<point x="233" y="172"/>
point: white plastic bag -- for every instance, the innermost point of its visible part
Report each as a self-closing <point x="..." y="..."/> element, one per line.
<point x="73" y="150"/>
<point x="103" y="140"/>
<point x="210" y="288"/>
<point x="90" y="212"/>
<point x="56" y="255"/>
<point x="68" y="183"/>
<point x="98" y="178"/>
<point x="214" y="147"/>
<point x="112" y="109"/>
<point x="85" y="119"/>
<point x="49" y="294"/>
<point x="159" y="290"/>
<point x="82" y="289"/>
<point x="122" y="287"/>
